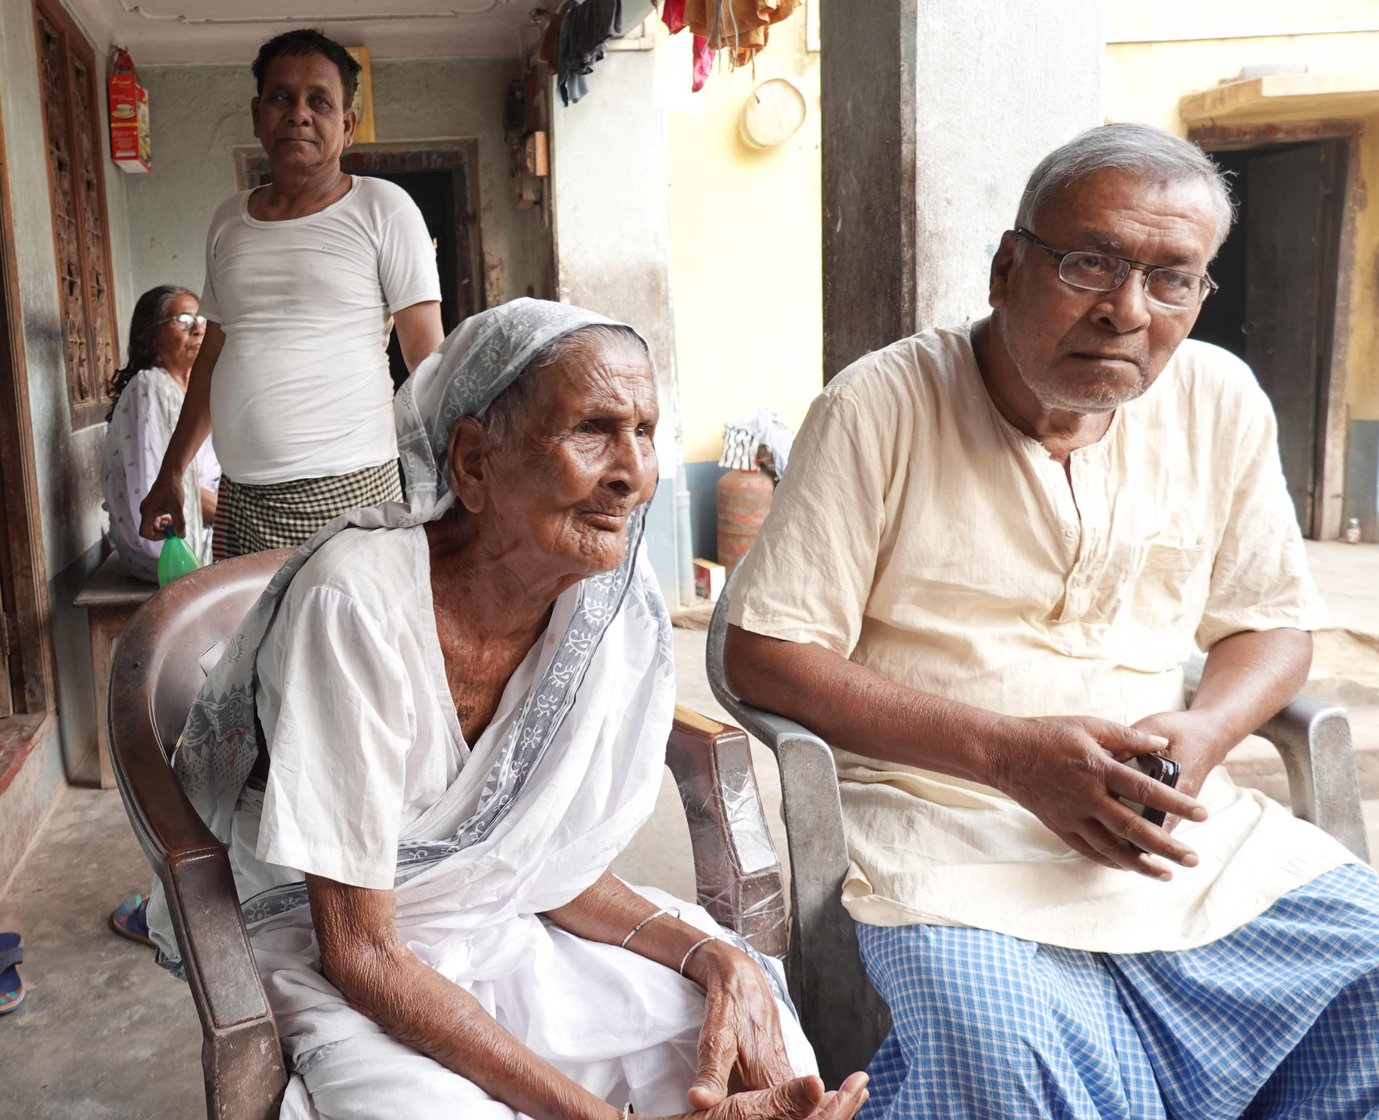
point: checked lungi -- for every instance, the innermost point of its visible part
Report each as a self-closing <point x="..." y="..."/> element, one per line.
<point x="250" y="518"/>
<point x="1278" y="1019"/>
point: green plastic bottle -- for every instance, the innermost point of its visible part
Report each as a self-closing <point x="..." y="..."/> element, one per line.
<point x="176" y="559"/>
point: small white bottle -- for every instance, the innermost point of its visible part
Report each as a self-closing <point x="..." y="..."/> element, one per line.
<point x="1352" y="531"/>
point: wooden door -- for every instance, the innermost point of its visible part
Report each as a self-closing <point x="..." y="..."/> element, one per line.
<point x="8" y="623"/>
<point x="1291" y="224"/>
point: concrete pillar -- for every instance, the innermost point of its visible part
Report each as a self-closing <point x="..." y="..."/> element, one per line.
<point x="611" y="225"/>
<point x="934" y="113"/>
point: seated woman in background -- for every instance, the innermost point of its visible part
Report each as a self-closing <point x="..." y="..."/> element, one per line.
<point x="165" y="334"/>
<point x="464" y="708"/>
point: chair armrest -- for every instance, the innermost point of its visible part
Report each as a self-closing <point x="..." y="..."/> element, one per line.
<point x="736" y="867"/>
<point x="844" y="1017"/>
<point x="241" y="1054"/>
<point x="1314" y="741"/>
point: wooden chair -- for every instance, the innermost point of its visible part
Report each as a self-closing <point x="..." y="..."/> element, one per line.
<point x="156" y="676"/>
<point x="841" y="1013"/>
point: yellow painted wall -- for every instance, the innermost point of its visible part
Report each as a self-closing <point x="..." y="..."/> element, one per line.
<point x="745" y="243"/>
<point x="1153" y="60"/>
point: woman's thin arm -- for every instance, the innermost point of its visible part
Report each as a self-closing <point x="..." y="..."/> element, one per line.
<point x="740" y="1041"/>
<point x="609" y="910"/>
<point x="362" y="955"/>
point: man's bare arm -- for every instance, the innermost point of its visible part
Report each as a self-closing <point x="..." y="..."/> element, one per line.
<point x="418" y="331"/>
<point x="166" y="495"/>
<point x="1061" y="768"/>
<point x="1248" y="678"/>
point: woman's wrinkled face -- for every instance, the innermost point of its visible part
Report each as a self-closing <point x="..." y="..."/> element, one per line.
<point x="581" y="459"/>
<point x="176" y="344"/>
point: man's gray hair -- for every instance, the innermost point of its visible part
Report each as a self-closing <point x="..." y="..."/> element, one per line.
<point x="1149" y="153"/>
<point x="508" y="407"/>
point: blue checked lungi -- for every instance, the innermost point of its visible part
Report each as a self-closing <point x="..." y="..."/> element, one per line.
<point x="1277" y="1019"/>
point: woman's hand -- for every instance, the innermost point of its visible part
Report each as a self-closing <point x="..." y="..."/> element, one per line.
<point x="801" y="1098"/>
<point x="740" y="1044"/>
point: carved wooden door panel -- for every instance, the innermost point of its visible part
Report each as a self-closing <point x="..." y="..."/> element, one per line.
<point x="71" y="125"/>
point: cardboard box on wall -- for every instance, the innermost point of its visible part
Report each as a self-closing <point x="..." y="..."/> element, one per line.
<point x="130" y="144"/>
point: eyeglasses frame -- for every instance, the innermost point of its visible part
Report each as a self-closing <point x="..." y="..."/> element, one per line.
<point x="200" y="320"/>
<point x="1205" y="284"/>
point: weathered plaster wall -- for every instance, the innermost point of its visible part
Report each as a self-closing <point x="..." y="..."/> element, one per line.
<point x="200" y="115"/>
<point x="611" y="215"/>
<point x="67" y="462"/>
<point x="612" y="245"/>
<point x="997" y="87"/>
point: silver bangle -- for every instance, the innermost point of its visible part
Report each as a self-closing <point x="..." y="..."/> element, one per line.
<point x="695" y="947"/>
<point x="626" y="1110"/>
<point x="647" y="921"/>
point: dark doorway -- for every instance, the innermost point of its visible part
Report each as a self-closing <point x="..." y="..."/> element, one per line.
<point x="1277" y="305"/>
<point x="442" y="183"/>
<point x="434" y="194"/>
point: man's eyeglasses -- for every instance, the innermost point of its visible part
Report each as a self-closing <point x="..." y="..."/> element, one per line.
<point x="186" y="320"/>
<point x="1104" y="272"/>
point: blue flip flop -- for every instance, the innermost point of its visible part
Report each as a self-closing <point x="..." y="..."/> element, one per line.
<point x="11" y="987"/>
<point x="130" y="919"/>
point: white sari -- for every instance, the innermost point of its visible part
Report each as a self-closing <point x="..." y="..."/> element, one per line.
<point x="557" y="786"/>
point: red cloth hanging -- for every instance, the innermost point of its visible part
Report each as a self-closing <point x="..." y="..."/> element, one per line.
<point x="673" y="15"/>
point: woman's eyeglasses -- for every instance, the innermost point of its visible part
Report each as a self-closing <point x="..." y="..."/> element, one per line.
<point x="185" y="320"/>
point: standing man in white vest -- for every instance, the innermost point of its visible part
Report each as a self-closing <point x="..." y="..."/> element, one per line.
<point x="305" y="279"/>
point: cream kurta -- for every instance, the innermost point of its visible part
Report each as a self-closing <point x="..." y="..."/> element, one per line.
<point x="919" y="534"/>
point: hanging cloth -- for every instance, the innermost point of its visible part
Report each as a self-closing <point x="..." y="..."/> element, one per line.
<point x="739" y="26"/>
<point x="673" y="16"/>
<point x="583" y="32"/>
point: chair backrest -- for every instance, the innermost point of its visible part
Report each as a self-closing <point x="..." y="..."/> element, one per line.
<point x="841" y="1013"/>
<point x="156" y="673"/>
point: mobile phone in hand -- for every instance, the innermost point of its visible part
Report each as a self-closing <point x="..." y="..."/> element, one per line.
<point x="1162" y="769"/>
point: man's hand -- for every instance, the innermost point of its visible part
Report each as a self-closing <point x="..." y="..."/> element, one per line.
<point x="163" y="504"/>
<point x="1064" y="770"/>
<point x="740" y="1044"/>
<point x="1195" y="742"/>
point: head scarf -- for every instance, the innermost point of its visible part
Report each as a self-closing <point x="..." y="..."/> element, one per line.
<point x="468" y="371"/>
<point x="471" y="367"/>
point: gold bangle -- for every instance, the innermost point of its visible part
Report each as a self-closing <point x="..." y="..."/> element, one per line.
<point x="697" y="946"/>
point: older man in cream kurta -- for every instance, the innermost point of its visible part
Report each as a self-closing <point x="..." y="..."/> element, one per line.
<point x="994" y="549"/>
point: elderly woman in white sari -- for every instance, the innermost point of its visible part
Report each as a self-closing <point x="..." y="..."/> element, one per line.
<point x="463" y="708"/>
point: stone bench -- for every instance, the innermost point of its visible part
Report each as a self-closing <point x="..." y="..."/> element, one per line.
<point x="111" y="596"/>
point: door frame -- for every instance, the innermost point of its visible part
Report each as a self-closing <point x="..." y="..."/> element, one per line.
<point x="26" y="599"/>
<point x="1329" y="480"/>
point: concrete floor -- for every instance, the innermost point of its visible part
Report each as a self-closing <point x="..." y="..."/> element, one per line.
<point x="106" y="1034"/>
